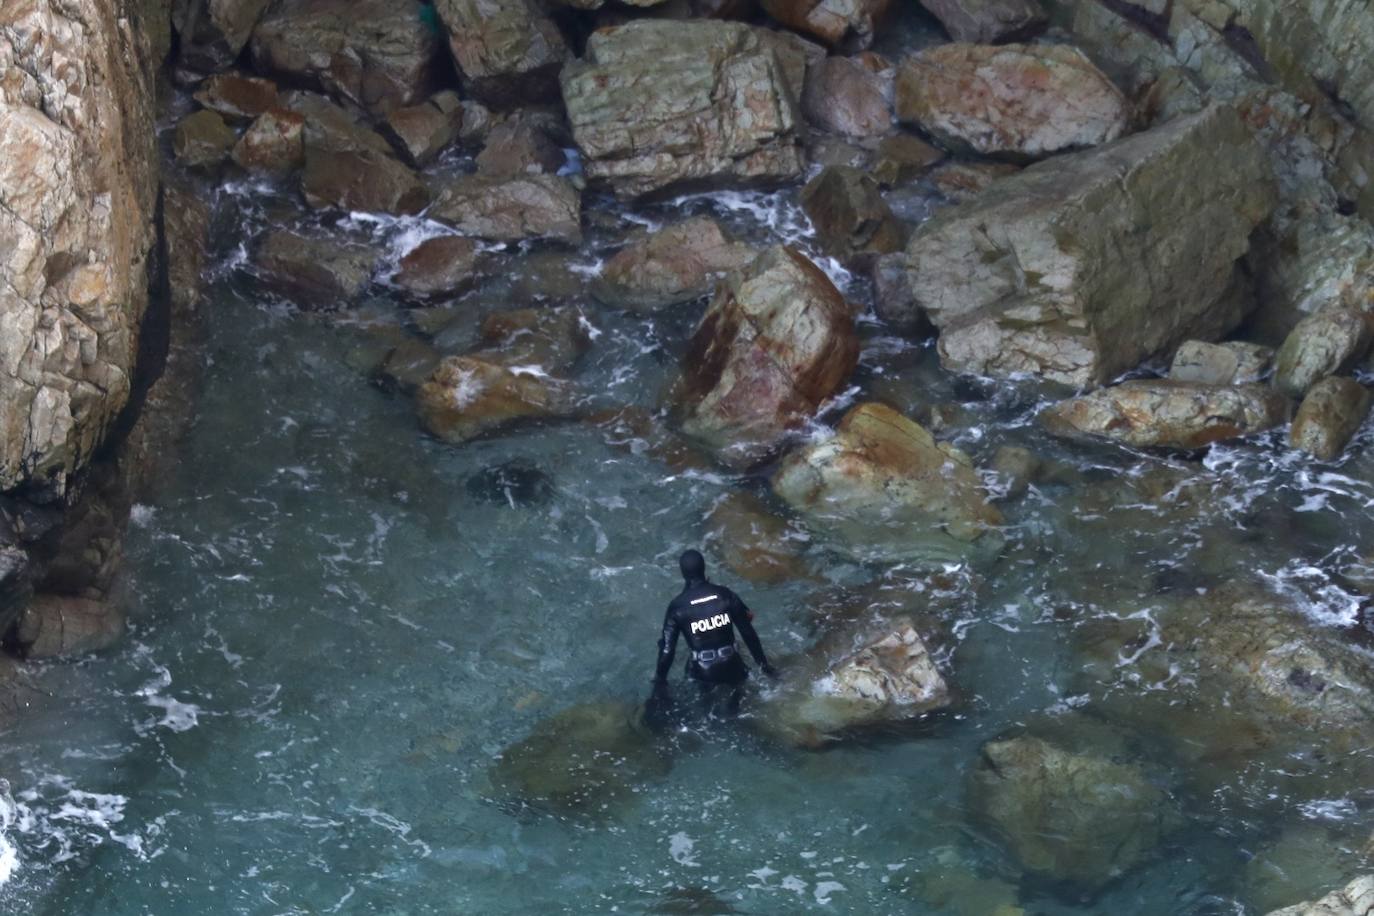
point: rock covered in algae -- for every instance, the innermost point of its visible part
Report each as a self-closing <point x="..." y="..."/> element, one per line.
<point x="588" y="760"/>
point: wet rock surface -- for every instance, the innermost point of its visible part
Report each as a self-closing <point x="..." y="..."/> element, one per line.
<point x="1355" y="899"/>
<point x="988" y="21"/>
<point x="57" y="626"/>
<point x="507" y="51"/>
<point x="471" y="396"/>
<point x="675" y="264"/>
<point x="321" y="273"/>
<point x="510" y="209"/>
<point x="847" y="24"/>
<point x="1331" y="413"/>
<point x="213" y="33"/>
<point x="273" y="143"/>
<point x="757" y="544"/>
<point x="850" y="95"/>
<point x="777" y="340"/>
<point x="1168" y="413"/>
<point x="236" y="96"/>
<point x="1327" y="343"/>
<point x="1043" y="272"/>
<point x="202" y="140"/>
<point x="363" y="181"/>
<point x="438" y="267"/>
<point x="849" y="214"/>
<point x="729" y="116"/>
<point x="425" y="130"/>
<point x="1221" y="364"/>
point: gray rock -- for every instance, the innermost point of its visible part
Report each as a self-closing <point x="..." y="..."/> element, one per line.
<point x="236" y="97"/>
<point x="319" y="273"/>
<point x="726" y="117"/>
<point x="960" y="181"/>
<point x="1327" y="343"/>
<point x="520" y="146"/>
<point x="901" y="158"/>
<point x="1071" y="817"/>
<point x="510" y="209"/>
<point x="202" y="140"/>
<point x="988" y="21"/>
<point x="1016" y="467"/>
<point x="507" y="51"/>
<point x="408" y="365"/>
<point x="850" y="95"/>
<point x="893" y="298"/>
<point x="1355" y="899"/>
<point x="438" y="267"/>
<point x="1232" y="363"/>
<point x="378" y="54"/>
<point x="273" y="143"/>
<point x="846" y="24"/>
<point x="1333" y="411"/>
<point x="332" y="128"/>
<point x="851" y="219"/>
<point x="1168" y="414"/>
<point x="362" y="181"/>
<point x="1309" y="264"/>
<point x="213" y="32"/>
<point x="883" y="489"/>
<point x="776" y="341"/>
<point x="1019" y="100"/>
<point x="421" y="132"/>
<point x="676" y="264"/>
<point x="61" y="626"/>
<point x="1049" y="272"/>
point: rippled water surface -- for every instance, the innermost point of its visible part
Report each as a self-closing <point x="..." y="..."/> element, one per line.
<point x="334" y="635"/>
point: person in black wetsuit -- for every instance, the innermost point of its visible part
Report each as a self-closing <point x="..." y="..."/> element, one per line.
<point x="707" y="616"/>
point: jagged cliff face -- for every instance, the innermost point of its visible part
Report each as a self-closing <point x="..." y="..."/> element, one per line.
<point x="78" y="190"/>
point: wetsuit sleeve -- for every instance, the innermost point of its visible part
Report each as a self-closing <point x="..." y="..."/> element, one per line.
<point x="667" y="645"/>
<point x="744" y="621"/>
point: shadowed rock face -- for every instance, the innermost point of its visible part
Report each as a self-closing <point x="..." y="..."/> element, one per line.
<point x="213" y="32"/>
<point x="675" y="264"/>
<point x="850" y="95"/>
<point x="510" y="209"/>
<point x="1168" y="414"/>
<point x="776" y="341"/>
<point x="988" y="21"/>
<point x="507" y="51"/>
<point x="319" y="273"/>
<point x="727" y="116"/>
<point x="883" y="488"/>
<point x="1078" y="268"/>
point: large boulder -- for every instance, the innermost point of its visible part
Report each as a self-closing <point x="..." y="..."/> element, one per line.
<point x="236" y="97"/>
<point x="851" y="219"/>
<point x="755" y="543"/>
<point x="727" y="116"/>
<point x="988" y="21"/>
<point x="378" y="54"/>
<point x="1072" y="817"/>
<point x="421" y="132"/>
<point x="521" y="145"/>
<point x="78" y="192"/>
<point x="332" y="128"/>
<point x="880" y="675"/>
<point x="475" y="395"/>
<point x="438" y="267"/>
<point x="1331" y="413"/>
<point x="676" y="264"/>
<point x="1078" y="268"/>
<point x="1165" y="413"/>
<point x="510" y="209"/>
<point x="1327" y="343"/>
<point x="507" y="51"/>
<point x="213" y="32"/>
<point x="202" y="140"/>
<point x="273" y="143"/>
<point x="62" y="626"/>
<point x="1015" y="100"/>
<point x="882" y="488"/>
<point x="1230" y="363"/>
<point x="850" y="95"/>
<point x="1355" y="899"/>
<point x="365" y="181"/>
<point x="776" y="341"/>
<point x="845" y="24"/>
<point x="318" y="273"/>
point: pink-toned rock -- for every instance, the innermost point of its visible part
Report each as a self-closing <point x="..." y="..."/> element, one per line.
<point x="272" y="144"/>
<point x="470" y="396"/>
<point x="845" y="24"/>
<point x="850" y="95"/>
<point x="236" y="97"/>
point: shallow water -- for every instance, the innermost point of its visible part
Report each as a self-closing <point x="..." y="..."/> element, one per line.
<point x="334" y="636"/>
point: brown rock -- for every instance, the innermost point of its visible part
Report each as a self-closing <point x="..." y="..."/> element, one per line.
<point x="988" y="21"/>
<point x="274" y="143"/>
<point x="468" y="396"/>
<point x="850" y="95"/>
<point x="538" y="340"/>
<point x="202" y="140"/>
<point x="438" y="267"/>
<point x="1026" y="101"/>
<point x="893" y="298"/>
<point x="519" y="146"/>
<point x="1327" y="343"/>
<point x="756" y="544"/>
<point x="408" y="365"/>
<point x="510" y="209"/>
<point x="320" y="273"/>
<point x="675" y="264"/>
<point x="902" y="157"/>
<point x="361" y="181"/>
<point x="213" y="32"/>
<point x="961" y="182"/>
<point x="236" y="97"/>
<point x="330" y="127"/>
<point x="846" y="24"/>
<point x="61" y="626"/>
<point x="507" y="51"/>
<point x="1333" y="411"/>
<point x="850" y="216"/>
<point x="777" y="340"/>
<point x="1168" y="414"/>
<point x="421" y="132"/>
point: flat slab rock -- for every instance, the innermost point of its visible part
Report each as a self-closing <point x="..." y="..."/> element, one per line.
<point x="1078" y="268"/>
<point x="1166" y="413"/>
<point x="727" y="116"/>
<point x="1355" y="899"/>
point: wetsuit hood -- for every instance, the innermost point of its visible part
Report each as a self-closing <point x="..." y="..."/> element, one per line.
<point x="693" y="566"/>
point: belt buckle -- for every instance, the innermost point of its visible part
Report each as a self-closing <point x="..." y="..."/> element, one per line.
<point x="706" y="655"/>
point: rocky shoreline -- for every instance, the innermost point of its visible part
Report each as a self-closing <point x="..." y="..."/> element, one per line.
<point x="1154" y="218"/>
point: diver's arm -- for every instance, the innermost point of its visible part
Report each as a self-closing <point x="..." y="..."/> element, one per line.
<point x="667" y="646"/>
<point x="743" y="619"/>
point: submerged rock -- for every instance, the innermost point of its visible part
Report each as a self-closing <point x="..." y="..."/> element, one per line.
<point x="520" y="145"/>
<point x="202" y="140"/>
<point x="883" y="488"/>
<point x="988" y="21"/>
<point x="1355" y="899"/>
<point x="1050" y="272"/>
<point x="421" y="132"/>
<point x="1232" y="363"/>
<point x="378" y="54"/>
<point x="543" y="339"/>
<point x="776" y="341"/>
<point x="1168" y="414"/>
<point x="274" y="143"/>
<point x="510" y="209"/>
<point x="850" y="216"/>
<point x="756" y="544"/>
<point x="676" y="264"/>
<point x="515" y="483"/>
<point x="883" y="674"/>
<point x="319" y="273"/>
<point x="1070" y="817"/>
<point x="1021" y="100"/>
<point x="362" y="181"/>
<point x="850" y="95"/>
<point x="61" y="626"/>
<point x="1333" y="411"/>
<point x="332" y="128"/>
<point x="438" y="267"/>
<point x="588" y="760"/>
<point x="1327" y="343"/>
<point x="846" y="24"/>
<point x="471" y="396"/>
<point x="236" y="97"/>
<point x="727" y="116"/>
<point x="507" y="51"/>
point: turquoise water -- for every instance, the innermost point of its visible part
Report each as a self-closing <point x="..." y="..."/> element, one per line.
<point x="333" y="638"/>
